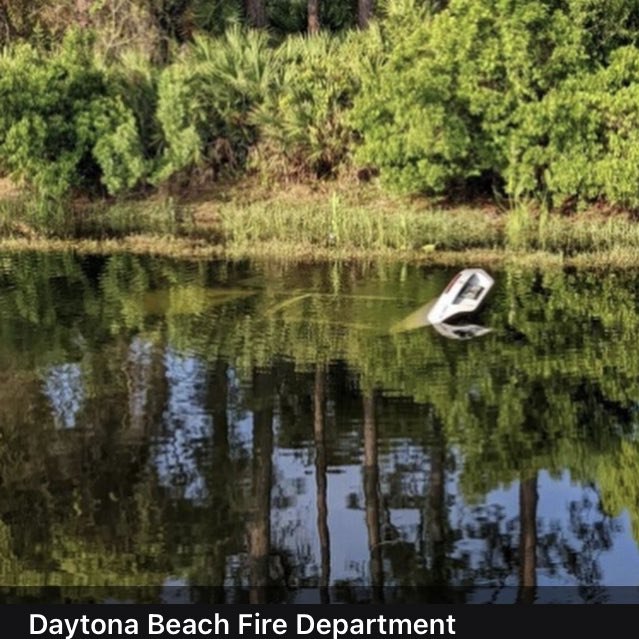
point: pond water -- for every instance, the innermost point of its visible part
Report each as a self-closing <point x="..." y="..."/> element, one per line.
<point x="210" y="431"/>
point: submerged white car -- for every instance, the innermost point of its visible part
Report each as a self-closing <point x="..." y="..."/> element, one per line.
<point x="464" y="294"/>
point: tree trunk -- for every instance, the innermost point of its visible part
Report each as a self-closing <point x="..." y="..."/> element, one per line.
<point x="256" y="13"/>
<point x="364" y="12"/>
<point x="82" y="13"/>
<point x="313" y="17"/>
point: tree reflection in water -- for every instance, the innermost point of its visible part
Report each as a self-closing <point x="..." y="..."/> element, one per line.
<point x="258" y="428"/>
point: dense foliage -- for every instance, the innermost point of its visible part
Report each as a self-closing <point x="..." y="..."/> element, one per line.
<point x="530" y="96"/>
<point x="206" y="98"/>
<point x="303" y="125"/>
<point x="60" y="124"/>
<point x="522" y="97"/>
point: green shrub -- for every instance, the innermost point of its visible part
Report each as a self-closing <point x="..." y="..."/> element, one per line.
<point x="117" y="149"/>
<point x="303" y="126"/>
<point x="461" y="88"/>
<point x="60" y="126"/>
<point x="582" y="139"/>
<point x="134" y="77"/>
<point x="416" y="127"/>
<point x="206" y="100"/>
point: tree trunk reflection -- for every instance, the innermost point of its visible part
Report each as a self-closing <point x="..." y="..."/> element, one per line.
<point x="319" y="425"/>
<point x="220" y="497"/>
<point x="372" y="498"/>
<point x="528" y="498"/>
<point x="259" y="527"/>
<point x="437" y="516"/>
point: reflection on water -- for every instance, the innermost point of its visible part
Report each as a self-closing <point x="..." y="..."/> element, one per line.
<point x="183" y="426"/>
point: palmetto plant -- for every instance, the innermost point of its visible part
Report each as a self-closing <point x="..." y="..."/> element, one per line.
<point x="303" y="127"/>
<point x="236" y="69"/>
<point x="207" y="97"/>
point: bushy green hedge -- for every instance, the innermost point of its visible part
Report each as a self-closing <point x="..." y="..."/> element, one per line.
<point x="532" y="96"/>
<point x="528" y="97"/>
<point x="60" y="125"/>
<point x="582" y="139"/>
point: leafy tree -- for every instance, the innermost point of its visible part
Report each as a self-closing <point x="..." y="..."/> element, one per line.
<point x="461" y="85"/>
<point x="61" y="127"/>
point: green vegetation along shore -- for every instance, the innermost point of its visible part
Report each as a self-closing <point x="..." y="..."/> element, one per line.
<point x="115" y="116"/>
<point x="310" y="224"/>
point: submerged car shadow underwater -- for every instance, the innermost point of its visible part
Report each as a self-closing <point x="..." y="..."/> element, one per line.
<point x="464" y="295"/>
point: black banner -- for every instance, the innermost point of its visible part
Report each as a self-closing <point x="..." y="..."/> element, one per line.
<point x="312" y="622"/>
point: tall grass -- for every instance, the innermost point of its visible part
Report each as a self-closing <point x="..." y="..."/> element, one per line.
<point x="333" y="224"/>
<point x="588" y="235"/>
<point x="520" y="227"/>
<point x="37" y="217"/>
<point x="530" y="228"/>
<point x="34" y="215"/>
<point x="338" y="224"/>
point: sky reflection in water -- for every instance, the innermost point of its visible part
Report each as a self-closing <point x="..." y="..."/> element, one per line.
<point x="261" y="427"/>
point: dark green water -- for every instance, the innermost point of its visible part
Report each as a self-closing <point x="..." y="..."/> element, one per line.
<point x="180" y="426"/>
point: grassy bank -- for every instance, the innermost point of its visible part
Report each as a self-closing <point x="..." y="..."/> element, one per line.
<point x="346" y="223"/>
